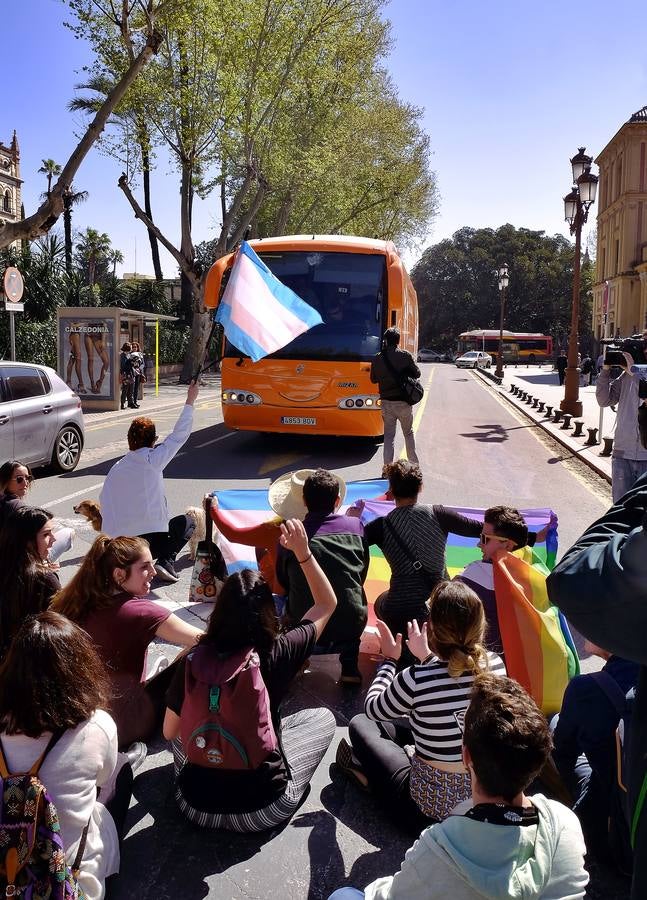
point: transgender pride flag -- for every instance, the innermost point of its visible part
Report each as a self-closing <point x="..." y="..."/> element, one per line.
<point x="259" y="313"/>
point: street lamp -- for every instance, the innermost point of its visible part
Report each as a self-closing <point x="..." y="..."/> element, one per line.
<point x="502" y="272"/>
<point x="576" y="210"/>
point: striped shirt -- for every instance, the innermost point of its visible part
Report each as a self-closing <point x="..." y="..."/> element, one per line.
<point x="431" y="699"/>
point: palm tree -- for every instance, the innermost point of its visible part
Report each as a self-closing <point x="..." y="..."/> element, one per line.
<point x="52" y="170"/>
<point x="116" y="257"/>
<point x="133" y="126"/>
<point x="70" y="198"/>
<point x="93" y="248"/>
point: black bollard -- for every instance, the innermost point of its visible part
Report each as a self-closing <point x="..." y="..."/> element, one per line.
<point x="557" y="415"/>
<point x="579" y="425"/>
<point x="567" y="421"/>
<point x="592" y="438"/>
<point x="608" y="446"/>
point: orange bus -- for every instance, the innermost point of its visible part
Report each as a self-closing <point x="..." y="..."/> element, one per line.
<point x="319" y="383"/>
<point x="518" y="346"/>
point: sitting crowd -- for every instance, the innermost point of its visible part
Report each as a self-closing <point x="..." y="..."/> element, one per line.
<point x="459" y="754"/>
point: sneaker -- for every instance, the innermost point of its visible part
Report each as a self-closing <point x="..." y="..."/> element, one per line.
<point x="346" y="763"/>
<point x="166" y="571"/>
<point x="136" y="754"/>
<point x="158" y="666"/>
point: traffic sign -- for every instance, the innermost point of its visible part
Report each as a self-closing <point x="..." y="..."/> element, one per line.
<point x="13" y="286"/>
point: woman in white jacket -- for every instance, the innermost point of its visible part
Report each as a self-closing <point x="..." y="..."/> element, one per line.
<point x="53" y="683"/>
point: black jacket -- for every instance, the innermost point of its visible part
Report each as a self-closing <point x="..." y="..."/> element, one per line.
<point x="601" y="585"/>
<point x="403" y="363"/>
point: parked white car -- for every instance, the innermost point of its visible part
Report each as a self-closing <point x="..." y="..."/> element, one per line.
<point x="41" y="422"/>
<point x="474" y="359"/>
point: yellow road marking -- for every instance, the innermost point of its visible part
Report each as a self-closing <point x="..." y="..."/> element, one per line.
<point x="421" y="409"/>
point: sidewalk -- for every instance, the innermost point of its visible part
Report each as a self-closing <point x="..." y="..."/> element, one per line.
<point x="170" y="394"/>
<point x="542" y="383"/>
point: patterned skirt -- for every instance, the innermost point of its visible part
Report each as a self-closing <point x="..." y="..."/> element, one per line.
<point x="437" y="792"/>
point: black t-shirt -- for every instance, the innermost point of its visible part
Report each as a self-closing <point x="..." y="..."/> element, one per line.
<point x="216" y="791"/>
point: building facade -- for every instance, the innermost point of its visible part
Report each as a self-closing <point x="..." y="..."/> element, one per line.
<point x="10" y="182"/>
<point x="620" y="288"/>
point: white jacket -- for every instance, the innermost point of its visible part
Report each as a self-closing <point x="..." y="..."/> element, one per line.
<point x="132" y="499"/>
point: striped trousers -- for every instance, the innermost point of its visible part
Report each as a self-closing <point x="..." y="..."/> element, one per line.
<point x="305" y="737"/>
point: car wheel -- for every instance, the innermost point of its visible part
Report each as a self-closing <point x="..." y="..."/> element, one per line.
<point x="67" y="449"/>
<point x="532" y="359"/>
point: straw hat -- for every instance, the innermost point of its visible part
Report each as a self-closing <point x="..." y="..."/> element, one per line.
<point x="285" y="495"/>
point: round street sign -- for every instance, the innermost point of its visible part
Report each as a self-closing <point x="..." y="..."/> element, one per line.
<point x="13" y="284"/>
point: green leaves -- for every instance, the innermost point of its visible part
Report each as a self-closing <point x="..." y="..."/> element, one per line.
<point x="458" y="291"/>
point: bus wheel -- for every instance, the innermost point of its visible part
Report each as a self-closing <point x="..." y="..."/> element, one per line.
<point x="532" y="359"/>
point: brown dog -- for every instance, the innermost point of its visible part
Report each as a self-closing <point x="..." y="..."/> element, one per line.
<point x="91" y="509"/>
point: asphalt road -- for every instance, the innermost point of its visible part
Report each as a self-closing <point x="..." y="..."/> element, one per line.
<point x="475" y="450"/>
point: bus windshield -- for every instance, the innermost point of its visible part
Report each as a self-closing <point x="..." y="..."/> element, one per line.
<point x="347" y="289"/>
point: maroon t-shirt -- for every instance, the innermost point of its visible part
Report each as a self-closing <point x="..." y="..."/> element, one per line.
<point x="123" y="631"/>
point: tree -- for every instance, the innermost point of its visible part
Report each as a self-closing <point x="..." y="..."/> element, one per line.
<point x="457" y="286"/>
<point x="52" y="170"/>
<point x="115" y="258"/>
<point x="71" y="198"/>
<point x="238" y="97"/>
<point x="130" y="121"/>
<point x="137" y="25"/>
<point x="93" y="255"/>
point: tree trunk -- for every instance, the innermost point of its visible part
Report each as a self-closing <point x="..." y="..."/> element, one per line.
<point x="48" y="212"/>
<point x="200" y="327"/>
<point x="67" y="227"/>
<point x="155" y="251"/>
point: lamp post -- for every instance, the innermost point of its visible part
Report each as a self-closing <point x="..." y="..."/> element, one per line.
<point x="502" y="272"/>
<point x="576" y="211"/>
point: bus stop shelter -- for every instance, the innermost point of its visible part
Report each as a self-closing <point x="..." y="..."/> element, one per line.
<point x="89" y="342"/>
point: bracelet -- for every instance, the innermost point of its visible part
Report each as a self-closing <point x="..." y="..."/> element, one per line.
<point x="390" y="659"/>
<point x="302" y="562"/>
<point x="426" y="659"/>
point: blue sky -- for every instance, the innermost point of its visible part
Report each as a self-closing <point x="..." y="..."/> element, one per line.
<point x="510" y="90"/>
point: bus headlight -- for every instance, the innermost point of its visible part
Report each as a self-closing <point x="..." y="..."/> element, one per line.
<point x="241" y="398"/>
<point x="360" y="401"/>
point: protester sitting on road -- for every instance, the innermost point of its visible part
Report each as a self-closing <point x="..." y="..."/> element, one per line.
<point x="504" y="530"/>
<point x="584" y="737"/>
<point x="132" y="499"/>
<point x="15" y="481"/>
<point x="53" y="700"/>
<point x="433" y="694"/>
<point x="264" y="538"/>
<point x="338" y="545"/>
<point x="27" y="583"/>
<point x="600" y="585"/>
<point x="243" y="632"/>
<point x="393" y="405"/>
<point x="413" y="538"/>
<point x="629" y="457"/>
<point x="501" y="842"/>
<point x="108" y="598"/>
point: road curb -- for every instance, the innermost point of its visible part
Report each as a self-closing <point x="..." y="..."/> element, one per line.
<point x="577" y="450"/>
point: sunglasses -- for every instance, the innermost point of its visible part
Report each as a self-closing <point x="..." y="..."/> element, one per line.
<point x="20" y="479"/>
<point x="485" y="538"/>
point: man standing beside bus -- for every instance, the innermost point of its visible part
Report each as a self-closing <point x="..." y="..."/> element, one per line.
<point x="388" y="369"/>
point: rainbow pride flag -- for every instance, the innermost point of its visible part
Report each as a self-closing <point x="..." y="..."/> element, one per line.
<point x="244" y="508"/>
<point x="539" y="650"/>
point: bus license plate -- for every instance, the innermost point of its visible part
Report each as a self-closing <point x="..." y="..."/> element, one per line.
<point x="298" y="420"/>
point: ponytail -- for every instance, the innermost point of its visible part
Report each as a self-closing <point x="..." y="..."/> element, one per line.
<point x="93" y="587"/>
<point x="457" y="628"/>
